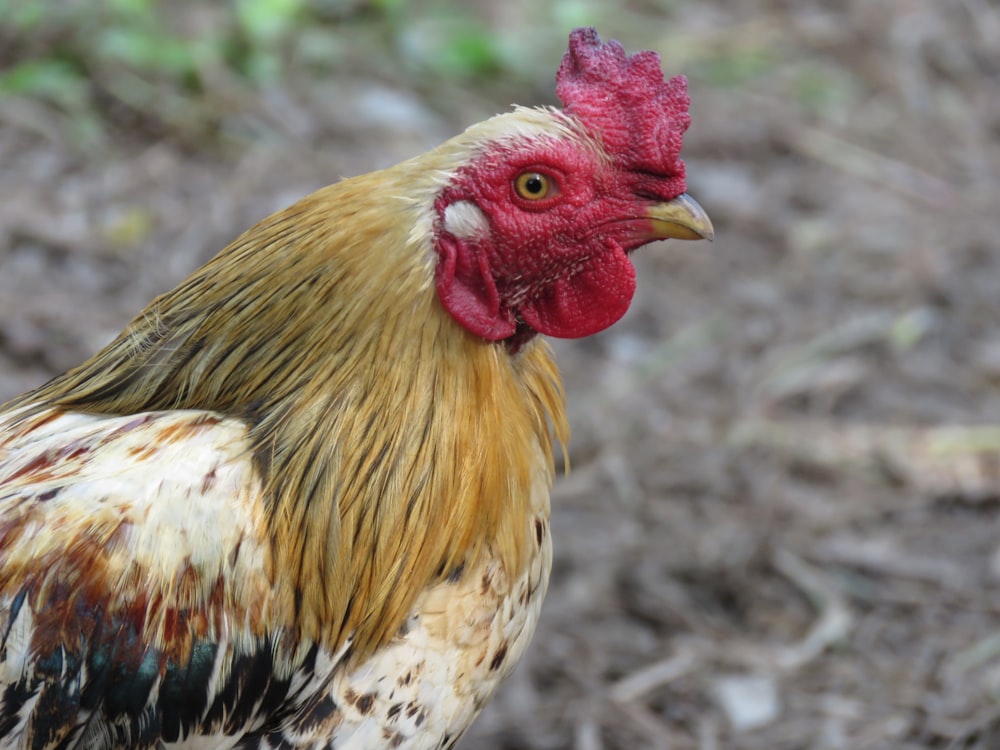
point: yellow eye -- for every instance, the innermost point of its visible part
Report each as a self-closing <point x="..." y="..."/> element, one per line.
<point x="533" y="186"/>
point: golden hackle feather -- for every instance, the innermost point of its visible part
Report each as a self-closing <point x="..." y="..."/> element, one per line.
<point x="392" y="444"/>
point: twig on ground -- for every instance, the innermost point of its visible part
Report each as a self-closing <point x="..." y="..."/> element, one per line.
<point x="652" y="677"/>
<point x="834" y="621"/>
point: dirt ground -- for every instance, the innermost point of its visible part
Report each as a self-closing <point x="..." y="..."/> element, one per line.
<point x="782" y="525"/>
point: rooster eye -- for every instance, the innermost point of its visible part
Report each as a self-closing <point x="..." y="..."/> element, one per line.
<point x="533" y="186"/>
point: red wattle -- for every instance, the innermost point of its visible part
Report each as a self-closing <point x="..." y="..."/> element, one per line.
<point x="585" y="303"/>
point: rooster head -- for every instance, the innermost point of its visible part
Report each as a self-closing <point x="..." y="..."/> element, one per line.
<point x="534" y="231"/>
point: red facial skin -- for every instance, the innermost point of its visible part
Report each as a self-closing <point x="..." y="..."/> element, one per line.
<point x="558" y="265"/>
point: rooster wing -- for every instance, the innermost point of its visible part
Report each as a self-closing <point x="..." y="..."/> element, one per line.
<point x="139" y="606"/>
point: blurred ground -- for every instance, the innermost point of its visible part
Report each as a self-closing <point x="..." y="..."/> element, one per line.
<point x="782" y="527"/>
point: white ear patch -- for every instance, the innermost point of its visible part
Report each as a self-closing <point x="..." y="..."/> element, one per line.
<point x="465" y="220"/>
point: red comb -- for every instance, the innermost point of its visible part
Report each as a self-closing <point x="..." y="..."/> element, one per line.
<point x="639" y="117"/>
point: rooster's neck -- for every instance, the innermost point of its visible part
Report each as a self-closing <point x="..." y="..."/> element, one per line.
<point x="393" y="445"/>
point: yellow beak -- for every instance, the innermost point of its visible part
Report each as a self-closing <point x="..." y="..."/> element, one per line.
<point x="680" y="219"/>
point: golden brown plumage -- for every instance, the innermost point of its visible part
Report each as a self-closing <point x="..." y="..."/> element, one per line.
<point x="427" y="419"/>
<point x="354" y="390"/>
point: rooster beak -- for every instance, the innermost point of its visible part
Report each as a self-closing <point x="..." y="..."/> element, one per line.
<point x="680" y="219"/>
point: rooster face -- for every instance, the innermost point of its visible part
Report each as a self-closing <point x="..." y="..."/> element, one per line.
<point x="533" y="232"/>
<point x="533" y="235"/>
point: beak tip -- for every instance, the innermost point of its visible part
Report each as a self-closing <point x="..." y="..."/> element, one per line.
<point x="682" y="219"/>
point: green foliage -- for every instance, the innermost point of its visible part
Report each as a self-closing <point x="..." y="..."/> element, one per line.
<point x="267" y="21"/>
<point x="50" y="78"/>
<point x="22" y="16"/>
<point x="738" y="66"/>
<point x="264" y="26"/>
<point x="824" y="90"/>
<point x="454" y="46"/>
<point x="161" y="61"/>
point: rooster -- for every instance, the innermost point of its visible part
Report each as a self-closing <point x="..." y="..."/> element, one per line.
<point x="302" y="500"/>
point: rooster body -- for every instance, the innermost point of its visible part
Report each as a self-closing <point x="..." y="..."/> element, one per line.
<point x="302" y="500"/>
<point x="177" y="491"/>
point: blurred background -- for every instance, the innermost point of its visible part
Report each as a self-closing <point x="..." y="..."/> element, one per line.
<point x="782" y="526"/>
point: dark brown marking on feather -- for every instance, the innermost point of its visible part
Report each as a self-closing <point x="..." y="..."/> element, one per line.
<point x="392" y="738"/>
<point x="77" y="451"/>
<point x="393" y="711"/>
<point x="365" y="702"/>
<point x="411" y="504"/>
<point x="234" y="555"/>
<point x="412" y="708"/>
<point x="33" y="467"/>
<point x="48" y="494"/>
<point x="456" y="574"/>
<point x="498" y="658"/>
<point x="404" y="629"/>
<point x="405" y="679"/>
<point x="487" y="581"/>
<point x="311" y="280"/>
<point x="209" y="480"/>
<point x="539" y="531"/>
<point x="415" y="494"/>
